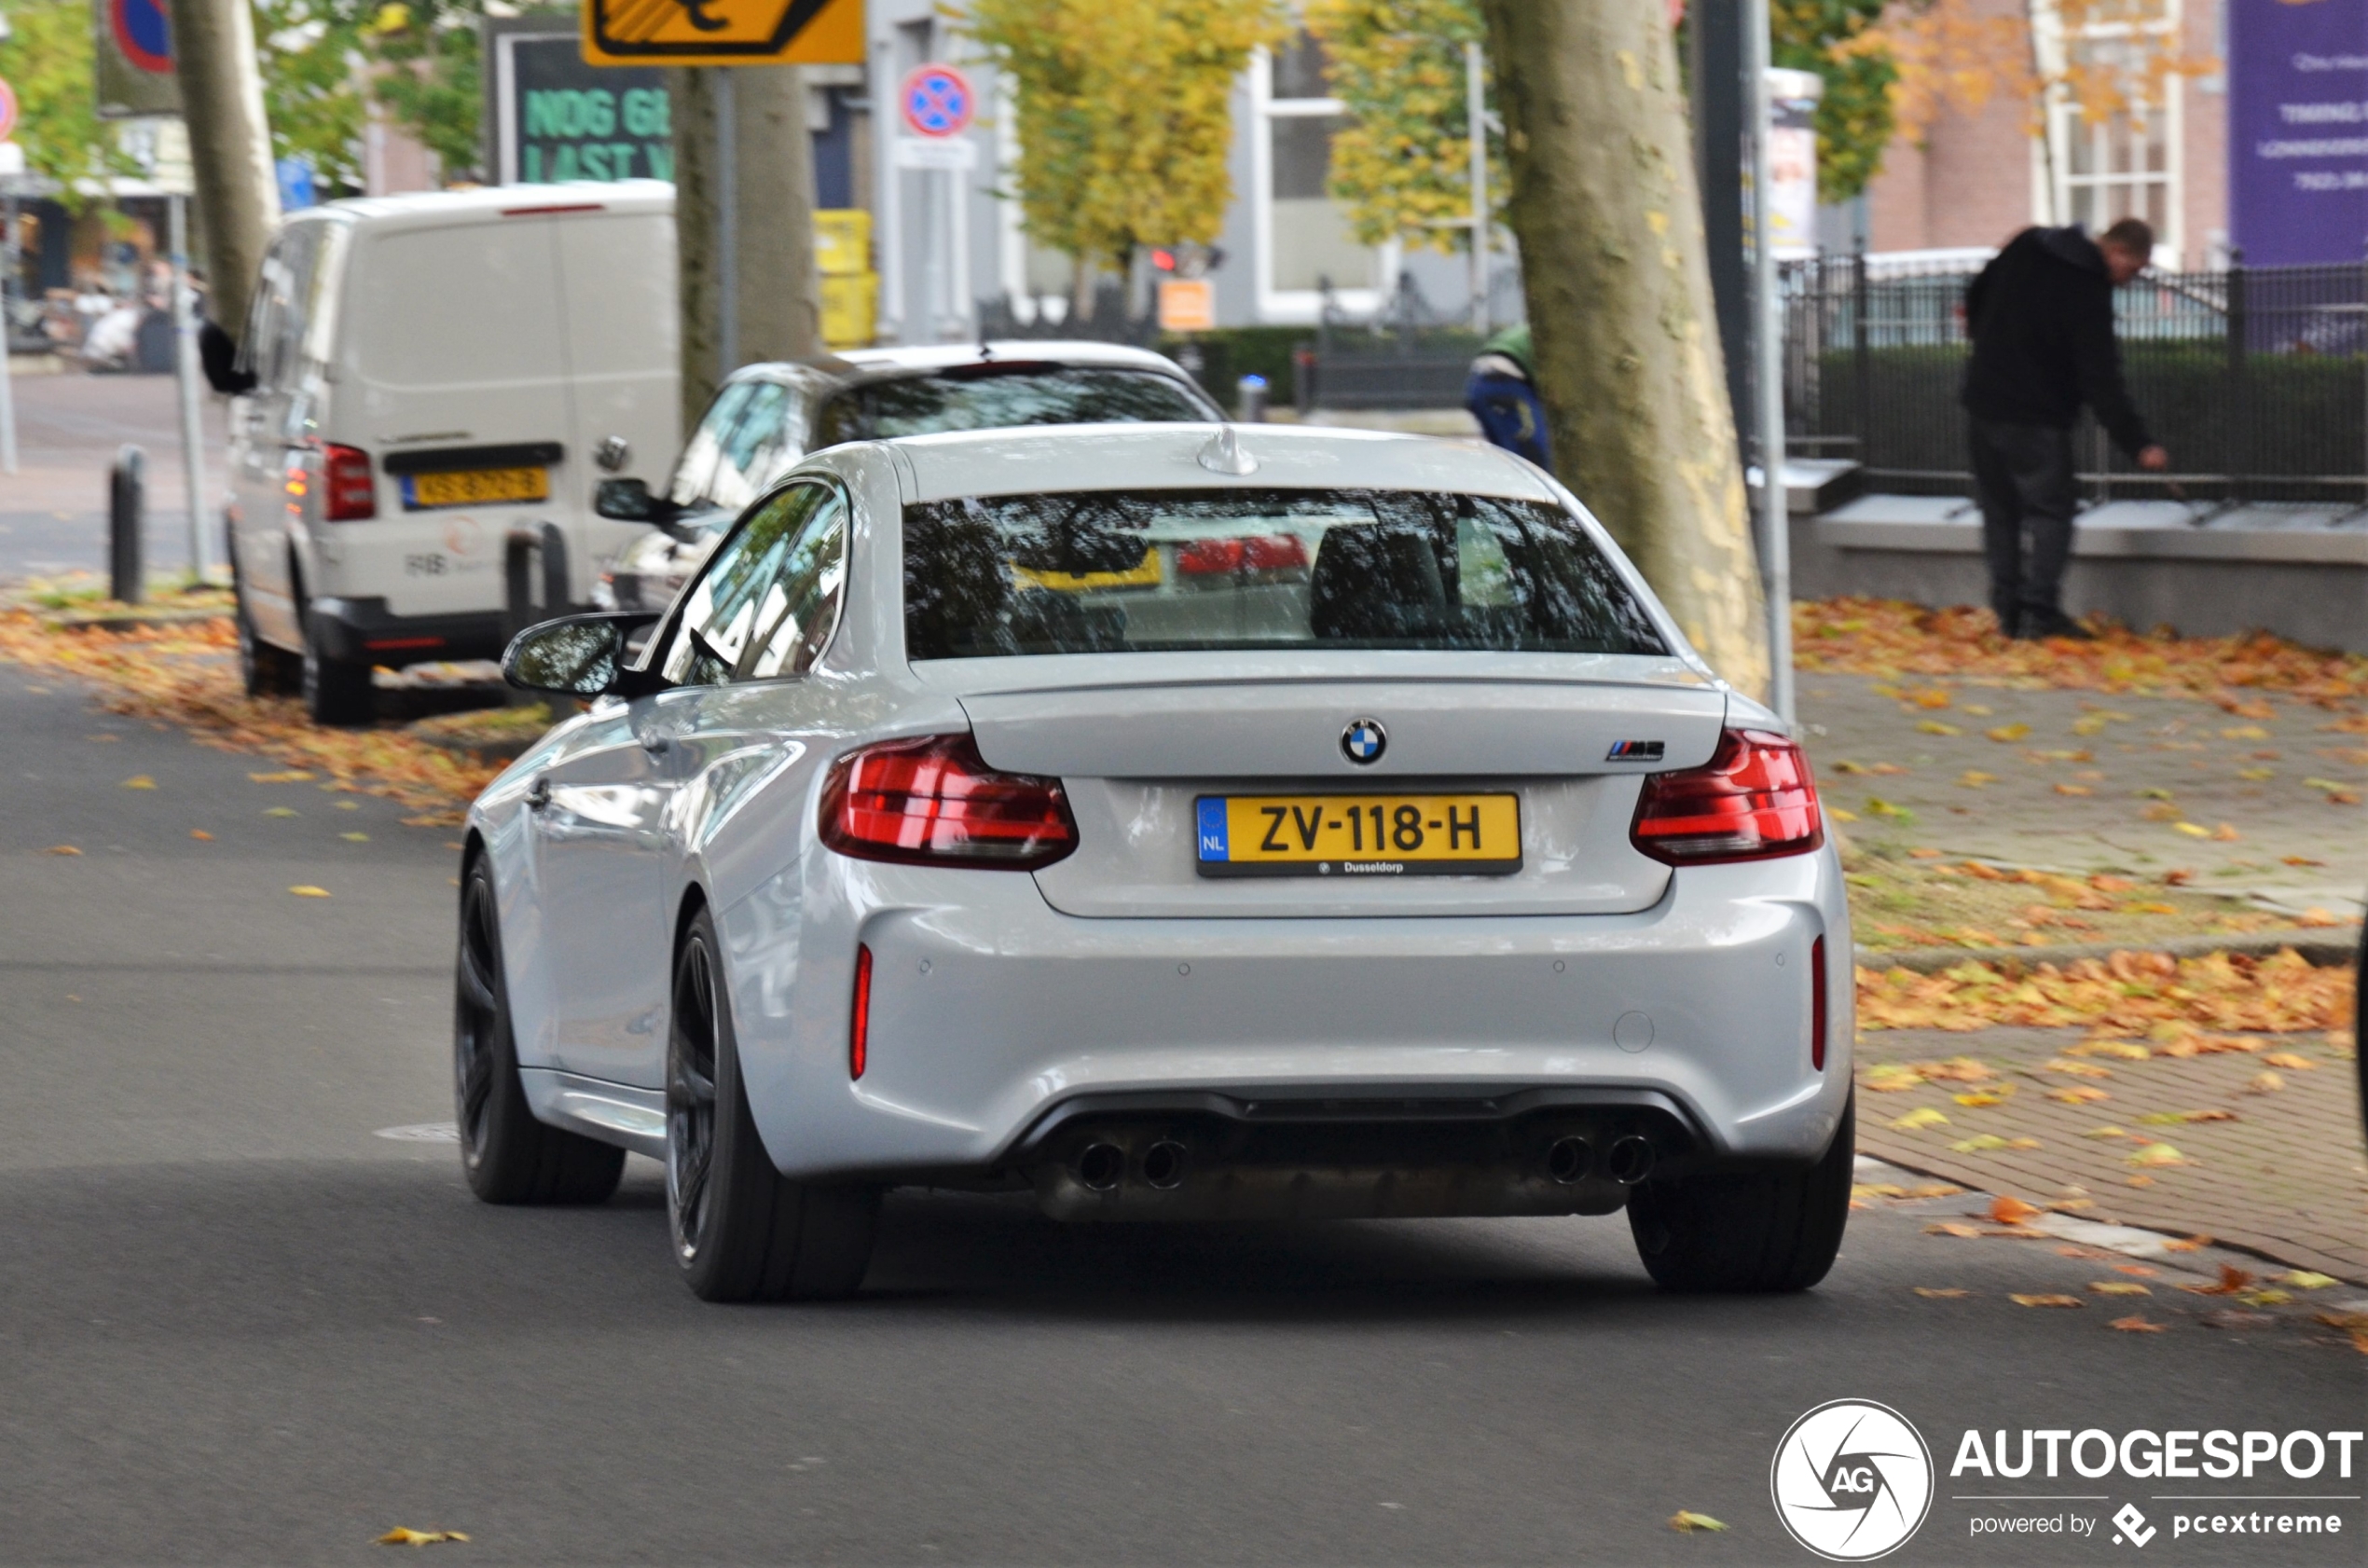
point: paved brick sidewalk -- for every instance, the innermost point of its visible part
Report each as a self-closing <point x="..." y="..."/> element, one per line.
<point x="1974" y="796"/>
<point x="2287" y="1177"/>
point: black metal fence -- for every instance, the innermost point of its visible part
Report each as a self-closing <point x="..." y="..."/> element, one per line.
<point x="2255" y="379"/>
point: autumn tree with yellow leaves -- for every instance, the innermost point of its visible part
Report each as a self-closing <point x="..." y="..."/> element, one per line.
<point x="1125" y="118"/>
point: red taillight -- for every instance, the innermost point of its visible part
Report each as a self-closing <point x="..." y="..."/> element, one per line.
<point x="935" y="801"/>
<point x="349" y="493"/>
<point x="1206" y="557"/>
<point x="858" y="1026"/>
<point x="1754" y="798"/>
<point x="1816" y="1004"/>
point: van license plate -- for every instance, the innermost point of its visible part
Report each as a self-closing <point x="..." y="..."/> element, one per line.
<point x="1358" y="836"/>
<point x="475" y="486"/>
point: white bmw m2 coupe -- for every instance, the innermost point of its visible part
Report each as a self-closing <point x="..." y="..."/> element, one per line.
<point x="1175" y="823"/>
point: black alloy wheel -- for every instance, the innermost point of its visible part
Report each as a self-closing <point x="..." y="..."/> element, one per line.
<point x="742" y="1231"/>
<point x="509" y="1156"/>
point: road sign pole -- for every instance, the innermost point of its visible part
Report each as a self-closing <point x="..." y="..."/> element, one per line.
<point x="889" y="184"/>
<point x="184" y="356"/>
<point x="957" y="205"/>
<point x="8" y="323"/>
<point x="728" y="224"/>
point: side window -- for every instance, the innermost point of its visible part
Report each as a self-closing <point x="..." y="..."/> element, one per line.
<point x="697" y="466"/>
<point x="739" y="463"/>
<point x="769" y="599"/>
<point x="276" y="321"/>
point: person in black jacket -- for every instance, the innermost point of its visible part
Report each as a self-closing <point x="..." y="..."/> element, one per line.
<point x="2040" y="316"/>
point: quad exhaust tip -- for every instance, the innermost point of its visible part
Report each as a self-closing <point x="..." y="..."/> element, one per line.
<point x="1570" y="1160"/>
<point x="1100" y="1166"/>
<point x="1163" y="1165"/>
<point x="1629" y="1161"/>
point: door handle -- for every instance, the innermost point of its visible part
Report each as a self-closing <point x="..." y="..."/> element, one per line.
<point x="538" y="795"/>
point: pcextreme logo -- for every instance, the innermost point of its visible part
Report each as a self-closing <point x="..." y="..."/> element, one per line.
<point x="1851" y="1480"/>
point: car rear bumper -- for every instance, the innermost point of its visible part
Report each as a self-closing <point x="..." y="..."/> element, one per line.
<point x="990" y="1012"/>
<point x="365" y="630"/>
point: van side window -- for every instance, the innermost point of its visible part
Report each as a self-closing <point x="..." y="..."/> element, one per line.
<point x="770" y="599"/>
<point x="276" y="323"/>
<point x="697" y="467"/>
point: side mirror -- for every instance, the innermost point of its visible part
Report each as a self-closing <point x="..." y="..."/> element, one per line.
<point x="629" y="501"/>
<point x="574" y="656"/>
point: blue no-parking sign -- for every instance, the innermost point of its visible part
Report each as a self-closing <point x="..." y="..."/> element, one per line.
<point x="134" y="59"/>
<point x="937" y="102"/>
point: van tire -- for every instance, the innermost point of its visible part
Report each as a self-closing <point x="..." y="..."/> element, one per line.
<point x="1748" y="1230"/>
<point x="265" y="670"/>
<point x="337" y="691"/>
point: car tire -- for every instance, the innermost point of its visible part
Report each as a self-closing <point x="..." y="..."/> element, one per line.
<point x="337" y="691"/>
<point x="1748" y="1230"/>
<point x="740" y="1231"/>
<point x="509" y="1156"/>
<point x="265" y="670"/>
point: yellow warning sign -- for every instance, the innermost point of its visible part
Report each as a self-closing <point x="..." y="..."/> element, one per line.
<point x="723" y="32"/>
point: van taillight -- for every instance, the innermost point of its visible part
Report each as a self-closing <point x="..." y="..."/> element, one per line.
<point x="349" y="492"/>
<point x="1754" y="799"/>
<point x="935" y="801"/>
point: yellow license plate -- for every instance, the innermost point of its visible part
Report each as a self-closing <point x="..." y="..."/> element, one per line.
<point x="476" y="486"/>
<point x="1358" y="836"/>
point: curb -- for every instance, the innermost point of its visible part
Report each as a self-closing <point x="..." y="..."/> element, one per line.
<point x="2320" y="950"/>
<point x="68" y="620"/>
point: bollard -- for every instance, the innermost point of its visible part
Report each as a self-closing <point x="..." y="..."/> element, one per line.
<point x="1250" y="400"/>
<point x="127" y="501"/>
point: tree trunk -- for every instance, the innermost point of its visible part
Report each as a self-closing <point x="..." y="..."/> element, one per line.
<point x="779" y="289"/>
<point x="229" y="149"/>
<point x="1609" y="222"/>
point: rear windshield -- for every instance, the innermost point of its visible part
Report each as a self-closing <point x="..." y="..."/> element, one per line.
<point x="1101" y="572"/>
<point x="1002" y="398"/>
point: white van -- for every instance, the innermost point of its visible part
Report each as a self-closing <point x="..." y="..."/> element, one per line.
<point x="437" y="380"/>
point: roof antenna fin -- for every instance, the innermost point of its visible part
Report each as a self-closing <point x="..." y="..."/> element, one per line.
<point x="1224" y="455"/>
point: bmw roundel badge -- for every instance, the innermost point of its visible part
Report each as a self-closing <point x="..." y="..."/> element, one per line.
<point x="1363" y="741"/>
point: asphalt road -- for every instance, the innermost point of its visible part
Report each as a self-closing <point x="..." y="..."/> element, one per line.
<point x="237" y="1326"/>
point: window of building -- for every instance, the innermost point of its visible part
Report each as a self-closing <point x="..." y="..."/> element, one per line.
<point x="1304" y="240"/>
<point x="2127" y="163"/>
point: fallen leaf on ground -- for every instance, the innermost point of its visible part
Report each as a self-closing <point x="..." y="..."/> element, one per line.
<point x="1891" y="1078"/>
<point x="139" y="782"/>
<point x="2078" y="1095"/>
<point x="280" y="811"/>
<point x="2104" y="1133"/>
<point x="2231" y="1279"/>
<point x="1687" y="1523"/>
<point x="1980" y="1143"/>
<point x="2077" y="1069"/>
<point x="306" y="890"/>
<point x="2266" y="1297"/>
<point x="2011" y="1211"/>
<point x="2158" y="1155"/>
<point x="1934" y="726"/>
<point x="1917" y="1120"/>
<point x="2299" y="860"/>
<point x="1931" y="696"/>
<point x="2138" y="1269"/>
<point x="2118" y="1287"/>
<point x="401" y="1536"/>
<point x="2074" y="789"/>
<point x="1943" y="1293"/>
<point x="2046" y="1300"/>
<point x="2008" y="731"/>
<point x="2306" y="1279"/>
<point x="201" y="833"/>
<point x="2191" y="830"/>
<point x="2226" y="833"/>
<point x="1974" y="778"/>
<point x="355" y="838"/>
<point x="2136" y="1323"/>
<point x="2191" y="1243"/>
<point x="1981" y="1098"/>
<point x="288" y="775"/>
<point x="2291" y="1062"/>
<point x="2182" y="1117"/>
<point x="2354" y="1324"/>
<point x="61" y="849"/>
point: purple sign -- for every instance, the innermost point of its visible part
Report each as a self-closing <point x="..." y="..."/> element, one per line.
<point x="2298" y="131"/>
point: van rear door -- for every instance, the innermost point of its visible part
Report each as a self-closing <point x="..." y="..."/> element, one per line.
<point x="453" y="344"/>
<point x="617" y="307"/>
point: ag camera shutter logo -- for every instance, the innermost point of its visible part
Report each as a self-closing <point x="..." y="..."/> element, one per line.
<point x="1851" y="1480"/>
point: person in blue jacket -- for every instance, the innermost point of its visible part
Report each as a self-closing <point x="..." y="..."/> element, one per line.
<point x="1502" y="394"/>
